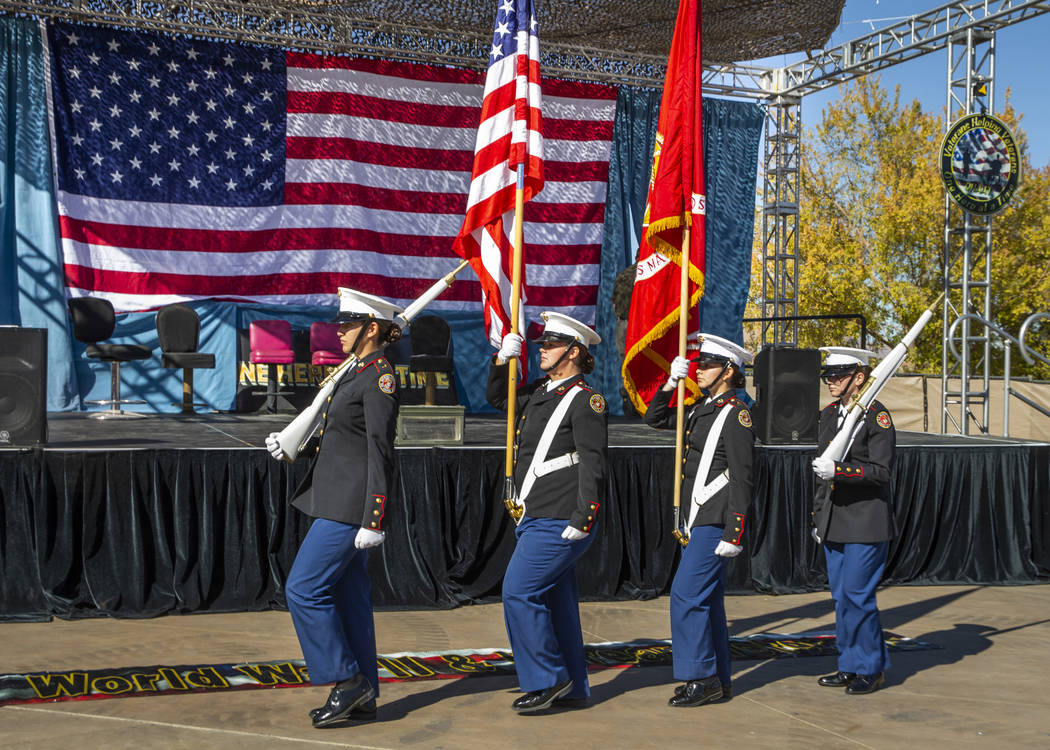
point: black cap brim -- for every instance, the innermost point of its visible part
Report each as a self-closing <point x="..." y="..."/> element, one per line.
<point x="558" y="338"/>
<point x="347" y="317"/>
<point x="835" y="371"/>
<point x="706" y="358"/>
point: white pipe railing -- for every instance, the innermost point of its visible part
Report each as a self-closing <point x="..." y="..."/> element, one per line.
<point x="1008" y="340"/>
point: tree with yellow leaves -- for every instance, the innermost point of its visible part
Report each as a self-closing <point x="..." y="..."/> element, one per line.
<point x="871" y="229"/>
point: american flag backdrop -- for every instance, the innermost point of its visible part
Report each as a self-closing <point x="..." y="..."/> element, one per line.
<point x="509" y="137"/>
<point x="189" y="169"/>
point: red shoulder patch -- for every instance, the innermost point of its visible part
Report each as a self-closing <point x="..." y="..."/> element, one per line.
<point x="883" y="420"/>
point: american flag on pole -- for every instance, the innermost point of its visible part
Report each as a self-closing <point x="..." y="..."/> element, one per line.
<point x="188" y="169"/>
<point x="510" y="134"/>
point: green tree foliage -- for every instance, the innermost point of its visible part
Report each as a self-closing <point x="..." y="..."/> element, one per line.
<point x="872" y="230"/>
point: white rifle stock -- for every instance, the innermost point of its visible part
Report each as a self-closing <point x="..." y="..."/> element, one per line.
<point x="293" y="438"/>
<point x="874" y="383"/>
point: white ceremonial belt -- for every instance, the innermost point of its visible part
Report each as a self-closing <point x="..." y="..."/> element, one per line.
<point x="701" y="494"/>
<point x="561" y="462"/>
<point x="540" y="456"/>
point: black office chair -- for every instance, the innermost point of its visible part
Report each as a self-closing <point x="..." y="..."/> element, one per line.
<point x="431" y="352"/>
<point x="93" y="321"/>
<point x="179" y="330"/>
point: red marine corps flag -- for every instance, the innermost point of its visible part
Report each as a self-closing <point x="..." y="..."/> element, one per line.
<point x="674" y="215"/>
<point x="509" y="135"/>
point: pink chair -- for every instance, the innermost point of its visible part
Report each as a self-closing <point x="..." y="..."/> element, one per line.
<point x="325" y="347"/>
<point x="271" y="344"/>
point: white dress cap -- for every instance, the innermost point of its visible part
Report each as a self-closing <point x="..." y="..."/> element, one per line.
<point x="720" y="347"/>
<point x="355" y="305"/>
<point x="839" y="356"/>
<point x="563" y="327"/>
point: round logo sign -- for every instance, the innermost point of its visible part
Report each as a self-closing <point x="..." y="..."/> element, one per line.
<point x="980" y="164"/>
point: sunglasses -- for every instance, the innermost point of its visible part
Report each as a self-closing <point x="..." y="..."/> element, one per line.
<point x="553" y="343"/>
<point x="834" y="377"/>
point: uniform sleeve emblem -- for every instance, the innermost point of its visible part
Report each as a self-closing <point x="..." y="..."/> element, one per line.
<point x="386" y="383"/>
<point x="883" y="418"/>
<point x="744" y="417"/>
<point x="597" y="403"/>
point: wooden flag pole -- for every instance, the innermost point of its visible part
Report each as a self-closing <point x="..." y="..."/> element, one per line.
<point x="679" y="431"/>
<point x="513" y="508"/>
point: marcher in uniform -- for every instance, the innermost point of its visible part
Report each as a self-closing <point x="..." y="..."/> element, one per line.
<point x="854" y="521"/>
<point x="347" y="492"/>
<point x="716" y="490"/>
<point x="559" y="469"/>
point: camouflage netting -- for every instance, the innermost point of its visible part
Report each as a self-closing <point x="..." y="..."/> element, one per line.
<point x="734" y="30"/>
<point x="619" y="41"/>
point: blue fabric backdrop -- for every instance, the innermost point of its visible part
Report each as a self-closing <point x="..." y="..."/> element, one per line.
<point x="33" y="293"/>
<point x="732" y="131"/>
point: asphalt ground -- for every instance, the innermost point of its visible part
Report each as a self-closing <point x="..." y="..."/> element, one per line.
<point x="984" y="688"/>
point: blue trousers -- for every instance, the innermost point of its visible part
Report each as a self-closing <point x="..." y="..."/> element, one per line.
<point x="699" y="635"/>
<point x="330" y="598"/>
<point x="541" y="607"/>
<point x="854" y="572"/>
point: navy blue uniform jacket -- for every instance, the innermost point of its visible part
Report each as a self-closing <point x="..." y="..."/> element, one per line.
<point x="573" y="493"/>
<point x="734" y="451"/>
<point x="353" y="472"/>
<point x="857" y="509"/>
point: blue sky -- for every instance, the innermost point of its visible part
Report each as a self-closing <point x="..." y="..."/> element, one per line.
<point x="1021" y="63"/>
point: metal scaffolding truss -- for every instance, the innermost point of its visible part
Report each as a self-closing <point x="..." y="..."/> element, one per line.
<point x="967" y="263"/>
<point x="918" y="35"/>
<point x="780" y="186"/>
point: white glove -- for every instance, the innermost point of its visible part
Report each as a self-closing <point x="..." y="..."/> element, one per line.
<point x="273" y="446"/>
<point x="824" y="468"/>
<point x="815" y="535"/>
<point x="573" y="534"/>
<point x="727" y="549"/>
<point x="511" y="347"/>
<point x="366" y="538"/>
<point x="679" y="370"/>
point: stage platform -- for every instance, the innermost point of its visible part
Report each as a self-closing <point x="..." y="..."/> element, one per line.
<point x="78" y="432"/>
<point x="162" y="514"/>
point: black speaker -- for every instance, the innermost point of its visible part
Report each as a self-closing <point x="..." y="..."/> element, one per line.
<point x="23" y="386"/>
<point x="787" y="395"/>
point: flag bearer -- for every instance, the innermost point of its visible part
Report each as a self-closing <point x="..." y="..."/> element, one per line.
<point x="716" y="478"/>
<point x="854" y="521"/>
<point x="559" y="469"/>
<point x="347" y="493"/>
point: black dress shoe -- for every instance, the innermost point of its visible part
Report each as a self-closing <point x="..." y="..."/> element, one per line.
<point x="539" y="700"/>
<point x="367" y="712"/>
<point x="697" y="693"/>
<point x="344" y="698"/>
<point x="839" y="679"/>
<point x="727" y="691"/>
<point x="865" y="683"/>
